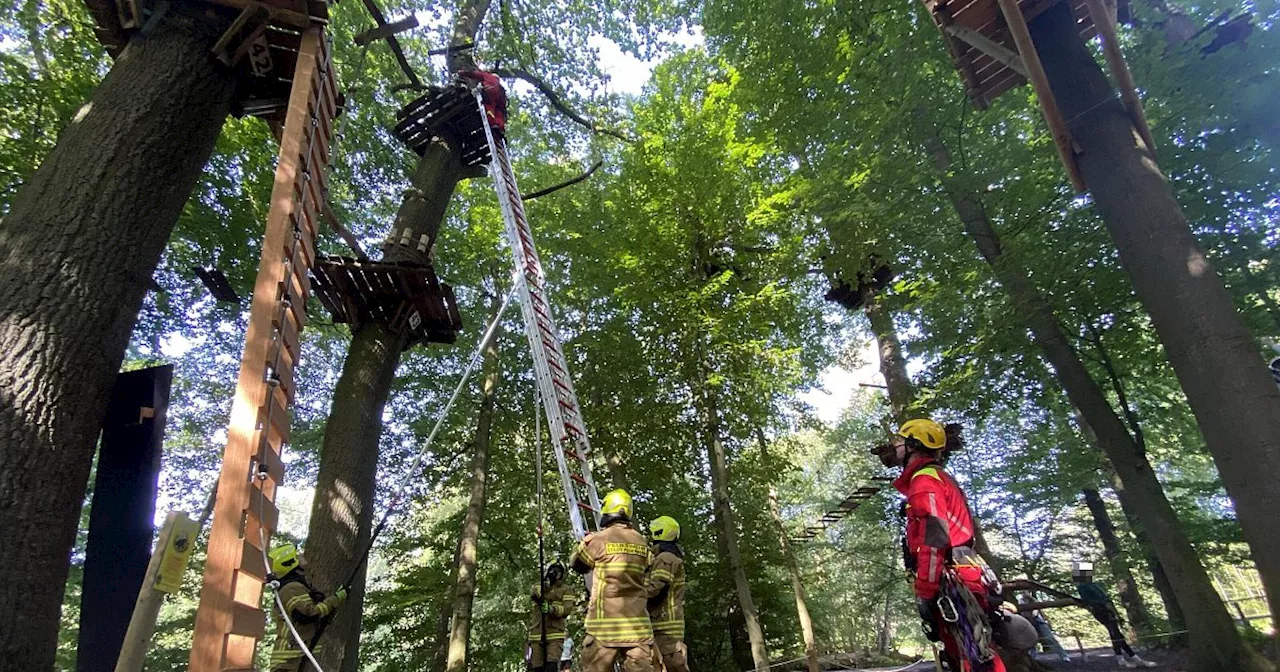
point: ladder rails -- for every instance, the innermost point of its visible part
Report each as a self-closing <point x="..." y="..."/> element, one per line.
<point x="550" y="368"/>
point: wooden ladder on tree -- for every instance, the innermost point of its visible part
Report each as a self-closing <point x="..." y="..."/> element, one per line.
<point x="550" y="368"/>
<point x="229" y="620"/>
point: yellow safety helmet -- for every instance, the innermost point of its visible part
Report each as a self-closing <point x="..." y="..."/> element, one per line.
<point x="664" y="528"/>
<point x="284" y="559"/>
<point x="617" y="502"/>
<point x="926" y="431"/>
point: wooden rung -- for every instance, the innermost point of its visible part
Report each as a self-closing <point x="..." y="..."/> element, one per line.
<point x="297" y="307"/>
<point x="269" y="456"/>
<point x="578" y="479"/>
<point x="286" y="328"/>
<point x="247" y="621"/>
<point x="251" y="561"/>
<point x="283" y="369"/>
<point x="260" y="510"/>
<point x="279" y="418"/>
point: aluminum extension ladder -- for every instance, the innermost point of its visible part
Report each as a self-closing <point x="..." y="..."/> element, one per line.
<point x="551" y="370"/>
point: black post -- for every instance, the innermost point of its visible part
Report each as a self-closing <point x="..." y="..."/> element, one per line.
<point x="121" y="520"/>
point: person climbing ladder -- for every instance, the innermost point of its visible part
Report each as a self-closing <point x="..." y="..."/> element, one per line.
<point x="954" y="587"/>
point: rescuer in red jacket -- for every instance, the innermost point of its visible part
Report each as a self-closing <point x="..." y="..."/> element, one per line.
<point x="492" y="95"/>
<point x="939" y="549"/>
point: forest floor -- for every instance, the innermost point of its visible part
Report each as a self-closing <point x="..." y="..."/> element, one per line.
<point x="1096" y="660"/>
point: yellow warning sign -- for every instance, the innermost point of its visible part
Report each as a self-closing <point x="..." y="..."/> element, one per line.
<point x="177" y="549"/>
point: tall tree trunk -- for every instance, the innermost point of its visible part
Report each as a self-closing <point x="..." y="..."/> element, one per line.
<point x="1126" y="587"/>
<point x="1172" y="610"/>
<point x="793" y="568"/>
<point x="464" y="590"/>
<point x="77" y="252"/>
<point x="1214" y="640"/>
<point x="346" y="485"/>
<point x="726" y="530"/>
<point x="893" y="363"/>
<point x="1168" y="597"/>
<point x="440" y="660"/>
<point x="1212" y="351"/>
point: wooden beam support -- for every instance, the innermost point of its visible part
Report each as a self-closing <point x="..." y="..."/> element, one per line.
<point x="393" y="43"/>
<point x="1104" y="23"/>
<point x="996" y="51"/>
<point x="386" y="30"/>
<point x="228" y="622"/>
<point x="1044" y="94"/>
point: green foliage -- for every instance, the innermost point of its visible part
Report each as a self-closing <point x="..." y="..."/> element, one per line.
<point x="694" y="260"/>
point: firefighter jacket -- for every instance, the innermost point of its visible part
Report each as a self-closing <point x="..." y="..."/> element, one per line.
<point x="665" y="590"/>
<point x="938" y="521"/>
<point x="492" y="95"/>
<point x="306" y="608"/>
<point x="617" y="614"/>
<point x="558" y="609"/>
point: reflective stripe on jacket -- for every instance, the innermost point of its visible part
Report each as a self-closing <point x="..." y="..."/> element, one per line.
<point x="555" y="618"/>
<point x="938" y="520"/>
<point x="306" y="610"/>
<point x="617" y="613"/>
<point x="665" y="589"/>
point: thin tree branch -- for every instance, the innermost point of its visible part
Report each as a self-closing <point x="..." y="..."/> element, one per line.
<point x="343" y="232"/>
<point x="567" y="183"/>
<point x="558" y="103"/>
<point x="393" y="43"/>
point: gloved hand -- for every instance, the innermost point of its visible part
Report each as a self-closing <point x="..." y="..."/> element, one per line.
<point x="928" y="619"/>
<point x="545" y="607"/>
<point x="341" y="594"/>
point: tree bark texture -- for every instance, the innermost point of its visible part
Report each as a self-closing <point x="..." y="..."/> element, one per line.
<point x="1214" y="639"/>
<point x="893" y="362"/>
<point x="77" y="252"/>
<point x="793" y="569"/>
<point x="1172" y="610"/>
<point x="465" y="588"/>
<point x="1126" y="587"/>
<point x="342" y="514"/>
<point x="726" y="530"/>
<point x="1212" y="351"/>
<point x="346" y="485"/>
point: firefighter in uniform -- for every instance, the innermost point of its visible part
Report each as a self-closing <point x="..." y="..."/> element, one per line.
<point x="306" y="607"/>
<point x="665" y="589"/>
<point x="492" y="95"/>
<point x="551" y="609"/>
<point x="617" y="620"/>
<point x="939" y="547"/>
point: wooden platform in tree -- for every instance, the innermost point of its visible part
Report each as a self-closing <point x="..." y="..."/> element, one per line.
<point x="987" y="72"/>
<point x="401" y="296"/>
<point x="448" y="112"/>
<point x="260" y="39"/>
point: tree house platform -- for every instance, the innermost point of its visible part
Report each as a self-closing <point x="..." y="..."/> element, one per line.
<point x="984" y="50"/>
<point x="401" y="296"/>
<point x="260" y="40"/>
<point x="448" y="112"/>
<point x="991" y="45"/>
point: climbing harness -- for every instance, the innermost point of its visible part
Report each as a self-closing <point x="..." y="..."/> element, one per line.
<point x="550" y="366"/>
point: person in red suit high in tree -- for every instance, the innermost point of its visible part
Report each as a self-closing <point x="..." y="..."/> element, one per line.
<point x="492" y="95"/>
<point x="938" y="550"/>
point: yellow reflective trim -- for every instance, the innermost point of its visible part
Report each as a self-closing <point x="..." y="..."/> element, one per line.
<point x="928" y="471"/>
<point x="621" y="548"/>
<point x="289" y="606"/>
